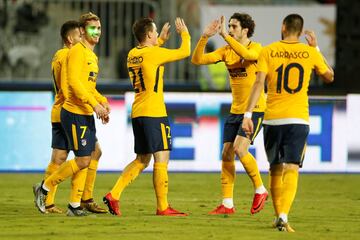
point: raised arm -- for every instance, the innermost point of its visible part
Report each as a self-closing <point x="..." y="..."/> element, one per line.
<point x="170" y="55"/>
<point x="199" y="57"/>
<point x="327" y="75"/>
<point x="241" y="50"/>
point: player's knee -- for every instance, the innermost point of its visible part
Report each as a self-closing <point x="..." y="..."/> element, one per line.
<point x="240" y="151"/>
<point x="97" y="152"/>
<point x="291" y="166"/>
<point x="83" y="162"/>
<point x="144" y="159"/>
<point x="227" y="156"/>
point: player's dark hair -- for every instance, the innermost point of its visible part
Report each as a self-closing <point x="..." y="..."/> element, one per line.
<point x="245" y="22"/>
<point x="141" y="28"/>
<point x="67" y="27"/>
<point x="86" y="17"/>
<point x="293" y="23"/>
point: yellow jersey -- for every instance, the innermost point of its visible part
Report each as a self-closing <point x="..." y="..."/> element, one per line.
<point x="58" y="62"/>
<point x="288" y="66"/>
<point x="146" y="69"/>
<point x="81" y="75"/>
<point x="241" y="64"/>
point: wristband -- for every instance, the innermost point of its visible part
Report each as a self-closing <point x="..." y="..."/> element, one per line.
<point x="317" y="48"/>
<point x="247" y="114"/>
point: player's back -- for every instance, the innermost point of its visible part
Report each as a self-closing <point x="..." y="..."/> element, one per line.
<point x="58" y="62"/>
<point x="146" y="77"/>
<point x="289" y="68"/>
<point x="146" y="69"/>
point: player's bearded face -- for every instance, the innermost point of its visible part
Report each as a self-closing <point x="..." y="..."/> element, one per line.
<point x="93" y="32"/>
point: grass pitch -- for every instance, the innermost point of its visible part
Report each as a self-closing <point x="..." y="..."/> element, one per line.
<point x="327" y="206"/>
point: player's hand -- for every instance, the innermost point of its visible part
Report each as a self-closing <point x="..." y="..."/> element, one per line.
<point x="248" y="126"/>
<point x="100" y="111"/>
<point x="311" y="38"/>
<point x="106" y="106"/>
<point x="180" y="25"/>
<point x="165" y="32"/>
<point x="211" y="29"/>
<point x="105" y="119"/>
<point x="222" y="28"/>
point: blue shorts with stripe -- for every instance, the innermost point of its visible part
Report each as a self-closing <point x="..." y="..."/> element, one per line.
<point x="58" y="137"/>
<point x="151" y="134"/>
<point x="285" y="143"/>
<point x="232" y="126"/>
<point x="80" y="131"/>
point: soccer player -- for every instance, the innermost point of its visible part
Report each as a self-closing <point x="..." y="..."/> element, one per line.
<point x="70" y="34"/>
<point x="240" y="56"/>
<point x="82" y="99"/>
<point x="149" y="118"/>
<point x="287" y="66"/>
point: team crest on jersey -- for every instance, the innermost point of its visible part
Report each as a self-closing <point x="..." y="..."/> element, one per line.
<point x="83" y="142"/>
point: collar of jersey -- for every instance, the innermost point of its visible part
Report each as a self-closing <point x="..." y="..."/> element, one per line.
<point x="289" y="42"/>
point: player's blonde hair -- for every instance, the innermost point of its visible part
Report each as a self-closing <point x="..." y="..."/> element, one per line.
<point x="86" y="17"/>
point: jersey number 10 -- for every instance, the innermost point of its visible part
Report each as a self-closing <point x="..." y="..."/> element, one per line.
<point x="285" y="72"/>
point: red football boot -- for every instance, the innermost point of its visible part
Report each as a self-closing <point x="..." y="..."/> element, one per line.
<point x="258" y="202"/>
<point x="170" y="212"/>
<point x="222" y="210"/>
<point x="112" y="204"/>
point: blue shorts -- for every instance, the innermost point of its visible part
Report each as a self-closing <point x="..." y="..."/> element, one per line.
<point x="80" y="131"/>
<point x="151" y="134"/>
<point x="285" y="143"/>
<point x="59" y="139"/>
<point x="232" y="126"/>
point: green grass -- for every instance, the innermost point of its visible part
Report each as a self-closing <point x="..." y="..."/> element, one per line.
<point x="326" y="207"/>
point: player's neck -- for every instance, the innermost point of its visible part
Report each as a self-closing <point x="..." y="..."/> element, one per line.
<point x="145" y="44"/>
<point x="89" y="45"/>
<point x="245" y="41"/>
<point x="291" y="38"/>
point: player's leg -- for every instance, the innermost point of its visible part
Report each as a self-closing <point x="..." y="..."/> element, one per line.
<point x="60" y="146"/>
<point x="58" y="157"/>
<point x="87" y="200"/>
<point x="228" y="176"/>
<point x="80" y="131"/>
<point x="294" y="146"/>
<point x="228" y="166"/>
<point x="272" y="142"/>
<point x="161" y="185"/>
<point x="241" y="149"/>
<point x="158" y="141"/>
<point x="133" y="169"/>
<point x="129" y="174"/>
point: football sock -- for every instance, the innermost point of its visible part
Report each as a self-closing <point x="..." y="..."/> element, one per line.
<point x="276" y="186"/>
<point x="90" y="180"/>
<point x="290" y="180"/>
<point x="284" y="217"/>
<point x="130" y="172"/>
<point x="160" y="181"/>
<point x="251" y="168"/>
<point x="52" y="167"/>
<point x="66" y="170"/>
<point x="77" y="185"/>
<point x="228" y="202"/>
<point x="227" y="179"/>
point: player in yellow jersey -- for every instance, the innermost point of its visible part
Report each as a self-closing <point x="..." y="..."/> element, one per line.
<point x="287" y="66"/>
<point x="81" y="100"/>
<point x="149" y="118"/>
<point x="70" y="34"/>
<point x="240" y="56"/>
